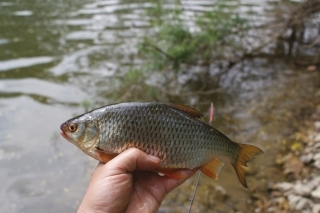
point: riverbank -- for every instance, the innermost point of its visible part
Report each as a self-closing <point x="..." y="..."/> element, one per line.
<point x="300" y="189"/>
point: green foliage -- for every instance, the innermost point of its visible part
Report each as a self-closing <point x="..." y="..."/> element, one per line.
<point x="175" y="44"/>
<point x="133" y="76"/>
<point x="85" y="104"/>
<point x="152" y="92"/>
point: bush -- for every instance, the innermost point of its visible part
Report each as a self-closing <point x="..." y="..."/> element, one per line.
<point x="212" y="36"/>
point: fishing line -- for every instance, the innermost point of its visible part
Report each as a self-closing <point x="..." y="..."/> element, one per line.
<point x="211" y="115"/>
<point x="194" y="191"/>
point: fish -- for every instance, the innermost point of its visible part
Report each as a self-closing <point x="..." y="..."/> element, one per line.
<point x="172" y="132"/>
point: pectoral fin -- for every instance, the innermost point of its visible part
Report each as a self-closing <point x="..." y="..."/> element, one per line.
<point x="171" y="173"/>
<point x="213" y="168"/>
<point x="103" y="156"/>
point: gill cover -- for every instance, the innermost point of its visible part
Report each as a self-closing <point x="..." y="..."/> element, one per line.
<point x="91" y="133"/>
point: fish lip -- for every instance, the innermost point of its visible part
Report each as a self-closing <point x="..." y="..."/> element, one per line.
<point x="63" y="134"/>
<point x="63" y="128"/>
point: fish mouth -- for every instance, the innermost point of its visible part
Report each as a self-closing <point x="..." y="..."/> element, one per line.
<point x="63" y="128"/>
<point x="63" y="134"/>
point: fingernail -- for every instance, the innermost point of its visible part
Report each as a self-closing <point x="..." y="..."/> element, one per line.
<point x="154" y="158"/>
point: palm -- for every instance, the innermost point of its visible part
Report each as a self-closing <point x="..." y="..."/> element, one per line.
<point x="153" y="186"/>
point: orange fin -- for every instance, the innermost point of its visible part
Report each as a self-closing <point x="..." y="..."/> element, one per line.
<point x="103" y="156"/>
<point x="171" y="173"/>
<point x="188" y="110"/>
<point x="212" y="168"/>
<point x="247" y="154"/>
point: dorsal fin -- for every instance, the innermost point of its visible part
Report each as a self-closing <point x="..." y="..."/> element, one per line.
<point x="188" y="110"/>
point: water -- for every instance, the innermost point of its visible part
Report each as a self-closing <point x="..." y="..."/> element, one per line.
<point x="58" y="57"/>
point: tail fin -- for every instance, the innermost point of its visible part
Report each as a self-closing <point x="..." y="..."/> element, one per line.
<point x="246" y="154"/>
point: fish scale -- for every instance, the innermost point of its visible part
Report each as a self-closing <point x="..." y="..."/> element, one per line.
<point x="171" y="132"/>
<point x="143" y="133"/>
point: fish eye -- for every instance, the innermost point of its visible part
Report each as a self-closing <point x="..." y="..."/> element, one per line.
<point x="72" y="127"/>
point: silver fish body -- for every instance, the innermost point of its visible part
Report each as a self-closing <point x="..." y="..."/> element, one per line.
<point x="171" y="132"/>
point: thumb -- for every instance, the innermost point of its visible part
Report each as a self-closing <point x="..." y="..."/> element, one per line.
<point x="130" y="160"/>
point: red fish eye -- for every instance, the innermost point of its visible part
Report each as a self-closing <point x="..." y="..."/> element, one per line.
<point x="72" y="127"/>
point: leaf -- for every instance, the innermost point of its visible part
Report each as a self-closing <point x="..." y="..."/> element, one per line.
<point x="292" y="164"/>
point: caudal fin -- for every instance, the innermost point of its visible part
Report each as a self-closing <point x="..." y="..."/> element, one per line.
<point x="247" y="154"/>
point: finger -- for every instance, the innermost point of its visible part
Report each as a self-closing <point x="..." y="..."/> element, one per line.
<point x="99" y="167"/>
<point x="129" y="161"/>
<point x="100" y="164"/>
<point x="160" y="186"/>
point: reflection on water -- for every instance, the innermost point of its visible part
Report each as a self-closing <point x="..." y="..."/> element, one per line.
<point x="56" y="55"/>
<point x="23" y="13"/>
<point x="24" y="62"/>
<point x="57" y="92"/>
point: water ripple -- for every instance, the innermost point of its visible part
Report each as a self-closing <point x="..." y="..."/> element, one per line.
<point x="24" y="62"/>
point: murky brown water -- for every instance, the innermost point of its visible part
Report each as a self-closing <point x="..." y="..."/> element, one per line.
<point x="57" y="56"/>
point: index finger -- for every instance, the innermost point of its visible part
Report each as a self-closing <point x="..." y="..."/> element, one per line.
<point x="129" y="161"/>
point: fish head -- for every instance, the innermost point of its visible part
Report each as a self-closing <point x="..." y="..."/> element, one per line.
<point x="82" y="131"/>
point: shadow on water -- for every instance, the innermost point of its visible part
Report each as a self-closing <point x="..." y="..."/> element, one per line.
<point x="58" y="55"/>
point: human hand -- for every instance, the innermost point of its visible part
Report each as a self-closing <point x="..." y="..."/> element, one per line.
<point x="117" y="186"/>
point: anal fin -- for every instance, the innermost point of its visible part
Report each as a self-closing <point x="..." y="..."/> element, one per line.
<point x="212" y="168"/>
